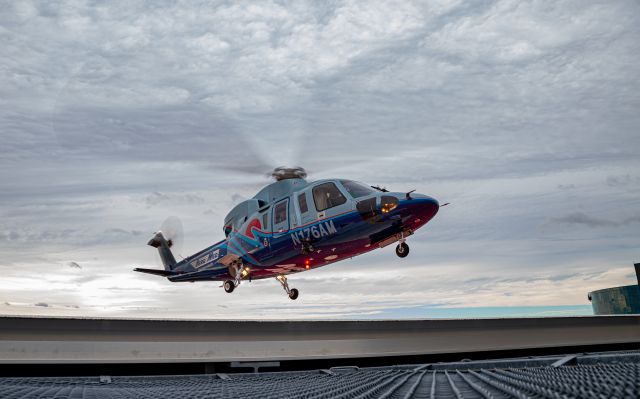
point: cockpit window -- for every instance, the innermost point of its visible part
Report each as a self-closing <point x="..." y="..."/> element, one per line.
<point x="356" y="189"/>
<point x="327" y="195"/>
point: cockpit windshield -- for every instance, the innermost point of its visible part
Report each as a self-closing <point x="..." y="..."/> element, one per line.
<point x="357" y="189"/>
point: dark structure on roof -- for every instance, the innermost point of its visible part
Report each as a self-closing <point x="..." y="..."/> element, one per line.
<point x="617" y="300"/>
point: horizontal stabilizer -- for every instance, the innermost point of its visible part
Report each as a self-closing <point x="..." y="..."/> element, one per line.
<point x="157" y="272"/>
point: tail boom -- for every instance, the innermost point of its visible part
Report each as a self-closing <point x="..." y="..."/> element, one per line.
<point x="164" y="249"/>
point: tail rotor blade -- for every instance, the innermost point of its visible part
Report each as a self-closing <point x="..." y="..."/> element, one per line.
<point x="173" y="231"/>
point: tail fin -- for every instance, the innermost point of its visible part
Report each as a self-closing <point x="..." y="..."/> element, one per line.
<point x="164" y="249"/>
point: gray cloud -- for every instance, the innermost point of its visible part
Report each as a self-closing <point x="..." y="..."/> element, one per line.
<point x="69" y="235"/>
<point x="622" y="180"/>
<point x="237" y="198"/>
<point x="121" y="232"/>
<point x="74" y="265"/>
<point x="10" y="236"/>
<point x="48" y="235"/>
<point x="590" y="221"/>
<point x="566" y="186"/>
<point x="157" y="198"/>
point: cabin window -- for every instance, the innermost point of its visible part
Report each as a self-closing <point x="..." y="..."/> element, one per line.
<point x="356" y="189"/>
<point x="302" y="201"/>
<point x="265" y="221"/>
<point x="327" y="195"/>
<point x="280" y="213"/>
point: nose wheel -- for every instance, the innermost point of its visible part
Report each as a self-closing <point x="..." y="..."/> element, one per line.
<point x="291" y="292"/>
<point x="402" y="250"/>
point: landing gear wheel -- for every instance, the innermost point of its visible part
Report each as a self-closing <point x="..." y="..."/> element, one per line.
<point x="229" y="286"/>
<point x="293" y="294"/>
<point x="402" y="250"/>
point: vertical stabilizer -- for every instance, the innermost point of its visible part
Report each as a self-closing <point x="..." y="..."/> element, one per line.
<point x="164" y="249"/>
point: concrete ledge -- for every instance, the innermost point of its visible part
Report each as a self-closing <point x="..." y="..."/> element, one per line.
<point x="40" y="340"/>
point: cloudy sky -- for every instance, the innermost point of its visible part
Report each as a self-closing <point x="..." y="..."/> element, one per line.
<point x="525" y="115"/>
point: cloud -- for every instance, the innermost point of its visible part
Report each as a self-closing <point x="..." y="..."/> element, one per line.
<point x="117" y="233"/>
<point x="157" y="198"/>
<point x="10" y="236"/>
<point x="622" y="180"/>
<point x="566" y="186"/>
<point x="237" y="198"/>
<point x="74" y="265"/>
<point x="584" y="219"/>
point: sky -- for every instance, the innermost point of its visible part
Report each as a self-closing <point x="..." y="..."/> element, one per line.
<point x="524" y="115"/>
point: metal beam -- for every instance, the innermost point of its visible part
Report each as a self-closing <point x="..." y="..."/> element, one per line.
<point x="47" y="340"/>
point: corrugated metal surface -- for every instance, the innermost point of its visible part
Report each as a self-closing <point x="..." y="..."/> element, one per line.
<point x="609" y="375"/>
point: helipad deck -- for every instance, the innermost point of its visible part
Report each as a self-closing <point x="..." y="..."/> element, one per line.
<point x="598" y="375"/>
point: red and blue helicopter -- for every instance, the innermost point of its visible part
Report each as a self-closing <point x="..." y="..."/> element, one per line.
<point x="293" y="225"/>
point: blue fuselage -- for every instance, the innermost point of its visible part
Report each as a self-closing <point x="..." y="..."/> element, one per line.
<point x="290" y="234"/>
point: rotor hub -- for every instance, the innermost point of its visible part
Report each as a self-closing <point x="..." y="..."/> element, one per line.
<point x="283" y="173"/>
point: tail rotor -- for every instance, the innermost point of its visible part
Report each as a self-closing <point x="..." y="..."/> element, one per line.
<point x="173" y="231"/>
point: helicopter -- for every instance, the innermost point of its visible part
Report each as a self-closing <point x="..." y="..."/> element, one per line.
<point x="293" y="225"/>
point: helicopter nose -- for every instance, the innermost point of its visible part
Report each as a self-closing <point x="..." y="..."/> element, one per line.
<point x="432" y="206"/>
<point x="425" y="207"/>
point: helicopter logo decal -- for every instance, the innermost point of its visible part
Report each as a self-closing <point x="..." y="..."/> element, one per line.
<point x="210" y="257"/>
<point x="323" y="229"/>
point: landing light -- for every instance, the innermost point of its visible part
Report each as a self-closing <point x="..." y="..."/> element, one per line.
<point x="245" y="272"/>
<point x="388" y="204"/>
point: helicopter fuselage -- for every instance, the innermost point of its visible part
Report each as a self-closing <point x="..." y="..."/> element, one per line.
<point x="292" y="226"/>
<point x="313" y="226"/>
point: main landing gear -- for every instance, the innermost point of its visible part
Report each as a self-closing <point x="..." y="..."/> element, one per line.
<point x="238" y="272"/>
<point x="293" y="293"/>
<point x="229" y="286"/>
<point x="402" y="250"/>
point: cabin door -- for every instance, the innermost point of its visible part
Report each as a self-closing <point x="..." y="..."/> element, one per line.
<point x="306" y="213"/>
<point x="280" y="218"/>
